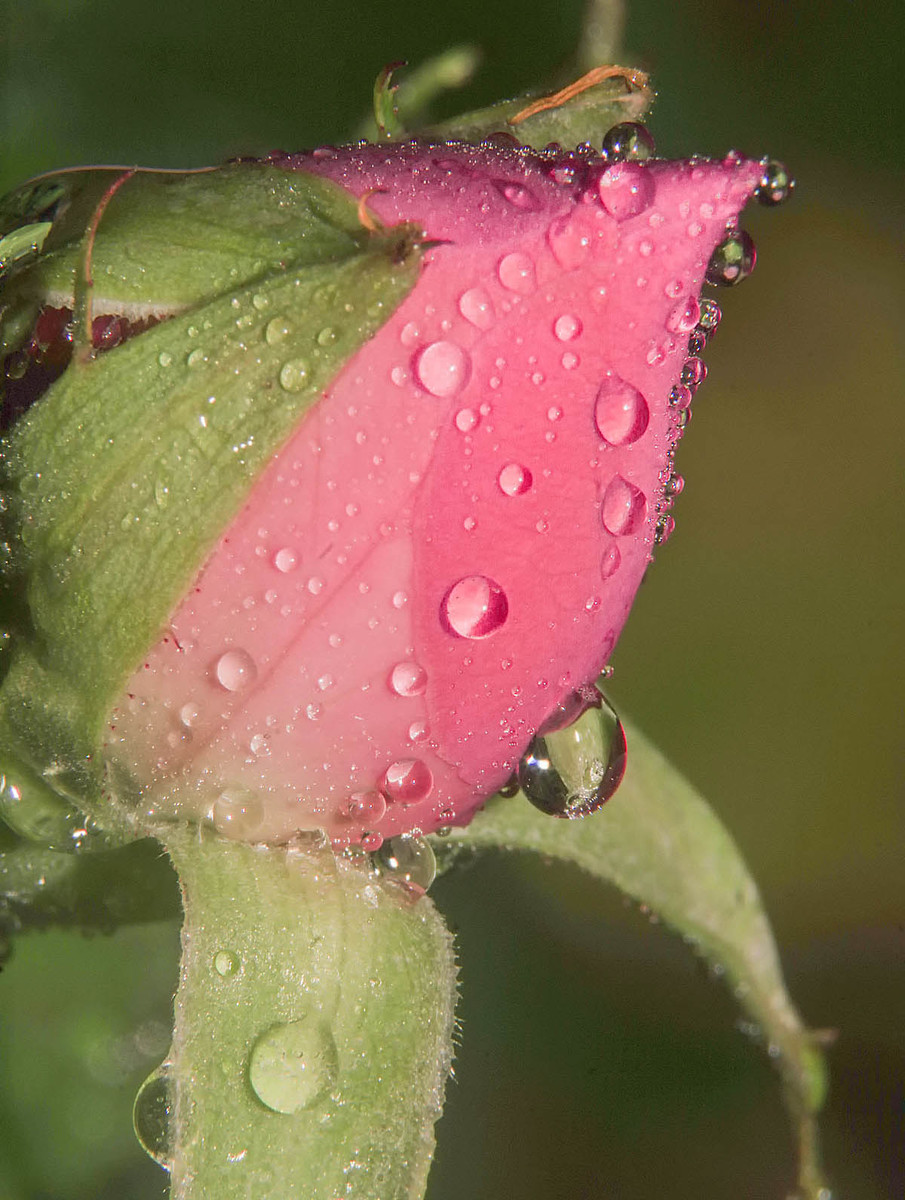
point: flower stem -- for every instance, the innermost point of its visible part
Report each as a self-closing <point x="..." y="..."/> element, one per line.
<point x="313" y="1027"/>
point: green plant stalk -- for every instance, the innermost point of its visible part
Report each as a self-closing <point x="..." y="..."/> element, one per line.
<point x="362" y="975"/>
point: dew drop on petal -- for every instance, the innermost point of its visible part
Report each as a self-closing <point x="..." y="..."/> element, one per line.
<point x="442" y="368"/>
<point x="514" y="479"/>
<point x="285" y="560"/>
<point x="694" y="372"/>
<point x="474" y="607"/>
<point x="294" y="1065"/>
<point x="237" y="812"/>
<point x="408" y="679"/>
<point x="407" y="781"/>
<point x="684" y="317"/>
<point x="476" y="307"/>
<point x="407" y="859"/>
<point x="626" y="189"/>
<point x="367" y="807"/>
<point x="567" y="327"/>
<point x="732" y="261"/>
<point x="627" y="140"/>
<point x="517" y="195"/>
<point x="568" y="244"/>
<point x="234" y="670"/>
<point x="610" y="561"/>
<point x="776" y="184"/>
<point x="467" y="419"/>
<point x="620" y="412"/>
<point x="624" y="507"/>
<point x="516" y="272"/>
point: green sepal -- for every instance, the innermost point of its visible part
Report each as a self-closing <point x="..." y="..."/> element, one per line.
<point x="120" y="480"/>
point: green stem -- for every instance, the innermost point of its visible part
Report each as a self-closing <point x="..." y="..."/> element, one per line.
<point x="313" y="1027"/>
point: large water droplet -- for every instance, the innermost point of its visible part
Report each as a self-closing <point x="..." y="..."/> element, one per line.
<point x="474" y="607"/>
<point x="408" y="679"/>
<point x="514" y="479"/>
<point x="237" y="812"/>
<point x="567" y="327"/>
<point x="623" y="508"/>
<point x="626" y="189"/>
<point x="407" y="781"/>
<point x="627" y="140"/>
<point x="442" y="368"/>
<point x="293" y="1066"/>
<point x="569" y="245"/>
<point x="732" y="261"/>
<point x="152" y="1115"/>
<point x="475" y="306"/>
<point x="573" y="771"/>
<point x="227" y="963"/>
<point x="620" y="412"/>
<point x="516" y="272"/>
<point x="235" y="670"/>
<point x="285" y="560"/>
<point x="407" y="859"/>
<point x="776" y="184"/>
<point x="294" y="375"/>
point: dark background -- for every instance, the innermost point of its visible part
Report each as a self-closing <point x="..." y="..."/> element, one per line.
<point x="765" y="653"/>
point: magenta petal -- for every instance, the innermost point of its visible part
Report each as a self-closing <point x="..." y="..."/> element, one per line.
<point x="452" y="540"/>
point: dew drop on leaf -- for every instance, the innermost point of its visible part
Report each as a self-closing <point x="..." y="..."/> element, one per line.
<point x="627" y="140"/>
<point x="407" y="859"/>
<point x="151" y="1115"/>
<point x="226" y="963"/>
<point x="732" y="261"/>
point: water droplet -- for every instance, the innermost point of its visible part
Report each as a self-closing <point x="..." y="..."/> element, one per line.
<point x="568" y="244"/>
<point x="277" y="330"/>
<point x="684" y="317"/>
<point x="517" y="195"/>
<point x="294" y="375"/>
<point x="626" y="189"/>
<point x="674" y="486"/>
<point x="474" y="607"/>
<point x="285" y="560"/>
<point x="467" y="419"/>
<point x="694" y="372"/>
<point x="624" y="507"/>
<point x="407" y="859"/>
<point x="152" y="1113"/>
<point x="196" y="358"/>
<point x="516" y="272"/>
<point x="165" y="358"/>
<point x="620" y="412"/>
<point x="567" y="327"/>
<point x="710" y="317"/>
<point x="326" y="336"/>
<point x="628" y="140"/>
<point x="664" y="529"/>
<point x="776" y="184"/>
<point x="570" y="709"/>
<point x="293" y="1066"/>
<point x="573" y="771"/>
<point x="610" y="561"/>
<point x="408" y="679"/>
<point x="188" y="714"/>
<point x="235" y="670"/>
<point x="407" y="781"/>
<point x="732" y="261"/>
<point x="371" y="841"/>
<point x="367" y="807"/>
<point x="226" y="963"/>
<point x="260" y="301"/>
<point x="237" y="812"/>
<point x="475" y="306"/>
<point x="680" y="397"/>
<point x="514" y="479"/>
<point x="418" y="731"/>
<point x="442" y="368"/>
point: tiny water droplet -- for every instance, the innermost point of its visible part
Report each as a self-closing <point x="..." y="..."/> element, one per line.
<point x="474" y="607"/>
<point x="235" y="670"/>
<point x="776" y="184"/>
<point x="407" y="781"/>
<point x="408" y="859"/>
<point x="571" y="772"/>
<point x="626" y="189"/>
<point x="664" y="529"/>
<point x="514" y="479"/>
<point x="326" y="336"/>
<point x="371" y="841"/>
<point x="710" y="317"/>
<point x="294" y="375"/>
<point x="627" y="140"/>
<point x="152" y="1113"/>
<point x="517" y="195"/>
<point x="694" y="372"/>
<point x="367" y="807"/>
<point x="294" y="1065"/>
<point x="442" y="368"/>
<point x="467" y="419"/>
<point x="476" y="307"/>
<point x="732" y="261"/>
<point x="196" y="358"/>
<point x="684" y="317"/>
<point x="680" y="397"/>
<point x="624" y="507"/>
<point x="226" y="963"/>
<point x="260" y="301"/>
<point x="165" y="358"/>
<point x="516" y="272"/>
<point x="408" y="679"/>
<point x="610" y="561"/>
<point x="620" y="412"/>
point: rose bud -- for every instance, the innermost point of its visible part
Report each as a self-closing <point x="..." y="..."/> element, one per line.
<point x="353" y="485"/>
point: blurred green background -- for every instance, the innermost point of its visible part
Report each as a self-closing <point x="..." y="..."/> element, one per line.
<point x="765" y="654"/>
